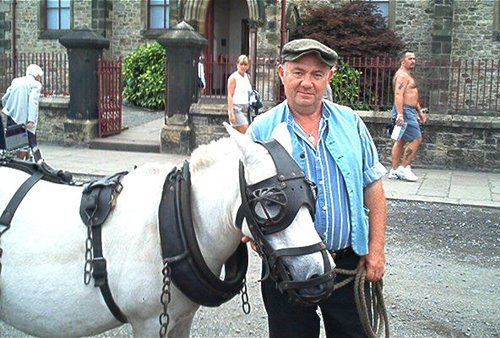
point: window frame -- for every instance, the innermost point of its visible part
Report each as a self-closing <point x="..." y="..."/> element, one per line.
<point x="166" y="15"/>
<point x="391" y="11"/>
<point x="59" y="10"/>
<point x="45" y="32"/>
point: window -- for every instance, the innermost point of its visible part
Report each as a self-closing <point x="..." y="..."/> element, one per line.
<point x="386" y="8"/>
<point x="159" y="14"/>
<point x="58" y="14"/>
<point x="382" y="6"/>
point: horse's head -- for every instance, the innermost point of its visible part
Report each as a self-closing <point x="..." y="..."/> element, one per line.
<point x="277" y="211"/>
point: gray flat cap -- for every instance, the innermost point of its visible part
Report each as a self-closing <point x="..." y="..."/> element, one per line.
<point x="300" y="47"/>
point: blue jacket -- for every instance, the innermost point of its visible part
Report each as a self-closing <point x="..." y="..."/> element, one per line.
<point x="353" y="150"/>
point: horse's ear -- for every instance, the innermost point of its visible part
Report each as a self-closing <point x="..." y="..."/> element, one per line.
<point x="281" y="134"/>
<point x="244" y="142"/>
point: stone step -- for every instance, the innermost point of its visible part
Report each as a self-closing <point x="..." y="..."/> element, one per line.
<point x="143" y="138"/>
<point x="145" y="146"/>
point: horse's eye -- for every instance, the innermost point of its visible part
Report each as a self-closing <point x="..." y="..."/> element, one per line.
<point x="268" y="205"/>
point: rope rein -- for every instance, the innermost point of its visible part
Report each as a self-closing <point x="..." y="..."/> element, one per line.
<point x="374" y="320"/>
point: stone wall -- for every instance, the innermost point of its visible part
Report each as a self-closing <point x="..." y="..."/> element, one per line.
<point x="51" y="119"/>
<point x="5" y="26"/>
<point x="206" y="123"/>
<point x="29" y="28"/>
<point x="473" y="31"/>
<point x="127" y="18"/>
<point x="450" y="141"/>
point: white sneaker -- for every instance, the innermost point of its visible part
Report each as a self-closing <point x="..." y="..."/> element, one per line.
<point x="392" y="174"/>
<point x="406" y="174"/>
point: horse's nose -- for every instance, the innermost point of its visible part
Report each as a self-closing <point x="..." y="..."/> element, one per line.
<point x="314" y="290"/>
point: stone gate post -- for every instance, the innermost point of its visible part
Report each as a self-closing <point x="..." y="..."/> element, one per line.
<point x="183" y="47"/>
<point x="84" y="48"/>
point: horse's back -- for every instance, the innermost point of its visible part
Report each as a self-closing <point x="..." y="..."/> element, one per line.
<point x="42" y="290"/>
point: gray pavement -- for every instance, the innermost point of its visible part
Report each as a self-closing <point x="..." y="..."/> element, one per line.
<point x="442" y="186"/>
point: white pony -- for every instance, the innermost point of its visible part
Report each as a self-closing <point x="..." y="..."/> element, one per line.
<point x="42" y="292"/>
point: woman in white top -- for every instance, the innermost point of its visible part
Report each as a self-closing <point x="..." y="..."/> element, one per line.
<point x="238" y="89"/>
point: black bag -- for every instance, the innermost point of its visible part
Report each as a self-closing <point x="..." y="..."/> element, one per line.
<point x="16" y="137"/>
<point x="200" y="83"/>
<point x="255" y="100"/>
<point x="389" y="128"/>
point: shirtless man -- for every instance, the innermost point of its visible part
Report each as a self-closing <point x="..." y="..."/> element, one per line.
<point x="405" y="109"/>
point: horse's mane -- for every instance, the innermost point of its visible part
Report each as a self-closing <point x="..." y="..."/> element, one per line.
<point x="206" y="155"/>
<point x="202" y="157"/>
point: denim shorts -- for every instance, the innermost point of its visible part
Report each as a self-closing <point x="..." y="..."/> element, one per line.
<point x="412" y="131"/>
<point x="240" y="112"/>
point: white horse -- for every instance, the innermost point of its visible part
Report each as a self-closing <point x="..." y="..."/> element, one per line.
<point x="41" y="282"/>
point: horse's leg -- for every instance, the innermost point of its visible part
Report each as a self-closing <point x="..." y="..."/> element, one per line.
<point x="182" y="327"/>
<point x="179" y="328"/>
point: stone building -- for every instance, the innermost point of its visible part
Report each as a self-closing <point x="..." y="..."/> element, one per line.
<point x="431" y="27"/>
<point x="438" y="29"/>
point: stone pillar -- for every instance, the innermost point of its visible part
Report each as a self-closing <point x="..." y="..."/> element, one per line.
<point x="84" y="47"/>
<point x="183" y="47"/>
<point x="442" y="31"/>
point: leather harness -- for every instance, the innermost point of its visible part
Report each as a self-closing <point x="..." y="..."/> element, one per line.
<point x="37" y="171"/>
<point x="181" y="251"/>
<point x="289" y="189"/>
<point x="98" y="198"/>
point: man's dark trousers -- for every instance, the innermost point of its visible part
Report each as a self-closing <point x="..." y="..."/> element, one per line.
<point x="339" y="311"/>
<point x="2" y="135"/>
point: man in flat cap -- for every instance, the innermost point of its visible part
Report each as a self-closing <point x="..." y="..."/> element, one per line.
<point x="334" y="148"/>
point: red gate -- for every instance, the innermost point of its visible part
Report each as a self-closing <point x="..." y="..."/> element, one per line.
<point x="109" y="96"/>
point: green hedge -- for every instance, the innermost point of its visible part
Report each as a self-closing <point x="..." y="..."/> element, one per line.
<point x="144" y="76"/>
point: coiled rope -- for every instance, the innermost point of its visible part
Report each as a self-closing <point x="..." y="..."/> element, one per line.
<point x="374" y="322"/>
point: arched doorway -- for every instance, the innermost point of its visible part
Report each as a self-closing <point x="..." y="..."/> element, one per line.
<point x="231" y="30"/>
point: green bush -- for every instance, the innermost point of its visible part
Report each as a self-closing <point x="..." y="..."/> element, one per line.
<point x="345" y="86"/>
<point x="144" y="76"/>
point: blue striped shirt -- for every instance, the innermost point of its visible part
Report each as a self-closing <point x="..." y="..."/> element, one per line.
<point x="332" y="209"/>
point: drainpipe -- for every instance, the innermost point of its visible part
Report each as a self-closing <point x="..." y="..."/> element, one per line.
<point x="14" y="46"/>
<point x="283" y="24"/>
<point x="105" y="18"/>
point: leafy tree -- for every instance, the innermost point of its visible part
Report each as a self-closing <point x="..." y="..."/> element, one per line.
<point x="351" y="29"/>
<point x="144" y="76"/>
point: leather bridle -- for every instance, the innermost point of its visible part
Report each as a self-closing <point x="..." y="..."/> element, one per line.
<point x="270" y="206"/>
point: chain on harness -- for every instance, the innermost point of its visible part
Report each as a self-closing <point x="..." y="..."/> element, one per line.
<point x="166" y="297"/>
<point x="88" y="267"/>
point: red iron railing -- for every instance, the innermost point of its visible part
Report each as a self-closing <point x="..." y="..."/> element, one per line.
<point x="54" y="65"/>
<point x="469" y="87"/>
<point x="109" y="92"/>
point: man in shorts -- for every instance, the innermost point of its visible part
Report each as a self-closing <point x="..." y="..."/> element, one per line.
<point x="405" y="110"/>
